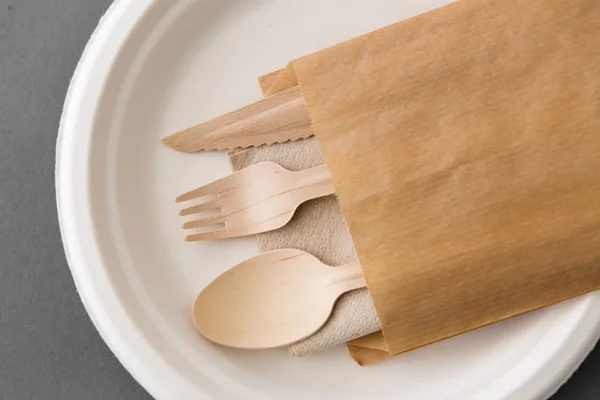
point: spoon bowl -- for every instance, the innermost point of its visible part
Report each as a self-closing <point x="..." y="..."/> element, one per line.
<point x="272" y="300"/>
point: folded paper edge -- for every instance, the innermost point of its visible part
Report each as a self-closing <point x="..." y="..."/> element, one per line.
<point x="364" y="356"/>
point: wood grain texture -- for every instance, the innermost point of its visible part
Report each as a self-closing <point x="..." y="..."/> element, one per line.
<point x="274" y="119"/>
<point x="260" y="198"/>
<point x="263" y="303"/>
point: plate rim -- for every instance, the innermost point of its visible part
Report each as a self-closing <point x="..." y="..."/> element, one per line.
<point x="129" y="345"/>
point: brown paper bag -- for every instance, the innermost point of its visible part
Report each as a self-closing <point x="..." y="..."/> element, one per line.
<point x="464" y="145"/>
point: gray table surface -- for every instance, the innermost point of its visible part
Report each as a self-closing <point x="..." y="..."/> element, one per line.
<point x="49" y="349"/>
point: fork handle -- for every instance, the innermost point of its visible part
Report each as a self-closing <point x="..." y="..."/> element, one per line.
<point x="314" y="182"/>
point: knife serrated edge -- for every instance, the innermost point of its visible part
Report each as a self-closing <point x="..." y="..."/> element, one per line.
<point x="275" y="119"/>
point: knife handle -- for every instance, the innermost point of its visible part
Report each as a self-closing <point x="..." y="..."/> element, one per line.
<point x="274" y="119"/>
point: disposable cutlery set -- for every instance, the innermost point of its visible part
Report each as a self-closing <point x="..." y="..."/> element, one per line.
<point x="462" y="145"/>
<point x="279" y="297"/>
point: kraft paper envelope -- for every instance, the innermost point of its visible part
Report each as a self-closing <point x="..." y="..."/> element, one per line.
<point x="465" y="148"/>
<point x="464" y="145"/>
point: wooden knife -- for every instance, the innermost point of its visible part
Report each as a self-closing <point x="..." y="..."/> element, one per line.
<point x="274" y="119"/>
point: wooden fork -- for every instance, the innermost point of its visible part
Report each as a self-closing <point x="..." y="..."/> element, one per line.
<point x="260" y="198"/>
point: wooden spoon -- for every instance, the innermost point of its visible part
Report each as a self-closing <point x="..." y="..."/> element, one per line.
<point x="272" y="300"/>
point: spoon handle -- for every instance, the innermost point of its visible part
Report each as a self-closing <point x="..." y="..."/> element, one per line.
<point x="347" y="277"/>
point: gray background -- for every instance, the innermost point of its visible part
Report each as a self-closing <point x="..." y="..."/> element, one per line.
<point x="48" y="346"/>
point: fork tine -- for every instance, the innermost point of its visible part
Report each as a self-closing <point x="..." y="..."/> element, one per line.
<point x="210" y="235"/>
<point x="208" y="206"/>
<point x="198" y="223"/>
<point x="243" y="176"/>
<point x="211" y="188"/>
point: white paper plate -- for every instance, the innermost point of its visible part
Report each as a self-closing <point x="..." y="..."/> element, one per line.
<point x="153" y="67"/>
